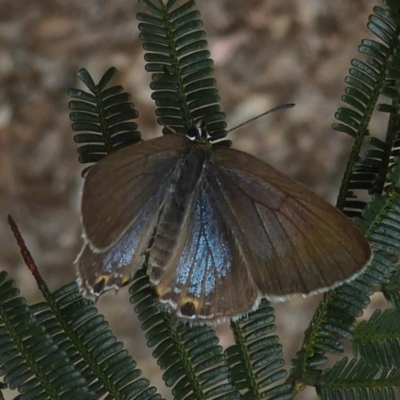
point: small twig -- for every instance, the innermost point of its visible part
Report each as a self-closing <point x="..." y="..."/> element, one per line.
<point x="27" y="256"/>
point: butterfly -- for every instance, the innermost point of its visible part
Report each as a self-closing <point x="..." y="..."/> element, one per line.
<point x="217" y="228"/>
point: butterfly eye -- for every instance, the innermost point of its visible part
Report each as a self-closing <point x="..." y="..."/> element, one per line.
<point x="192" y="134"/>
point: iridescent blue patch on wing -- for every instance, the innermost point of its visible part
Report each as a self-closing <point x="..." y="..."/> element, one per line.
<point x="207" y="256"/>
<point x="121" y="254"/>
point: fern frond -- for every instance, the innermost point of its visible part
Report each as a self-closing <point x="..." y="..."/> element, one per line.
<point x="335" y="317"/>
<point x="193" y="361"/>
<point x="380" y="219"/>
<point x="176" y="51"/>
<point x="103" y="116"/>
<point x="98" y="355"/>
<point x="90" y="363"/>
<point x="30" y="360"/>
<point x="356" y="379"/>
<point x="255" y="360"/>
<point x="391" y="290"/>
<point x="368" y="80"/>
<point x="377" y="341"/>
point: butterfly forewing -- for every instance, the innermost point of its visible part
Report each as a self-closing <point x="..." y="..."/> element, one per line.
<point x="292" y="240"/>
<point x="118" y="223"/>
<point x="137" y="173"/>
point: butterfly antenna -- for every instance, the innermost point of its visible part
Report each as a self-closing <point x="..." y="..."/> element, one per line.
<point x="281" y="107"/>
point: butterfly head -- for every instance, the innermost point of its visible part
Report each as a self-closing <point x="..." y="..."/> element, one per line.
<point x="199" y="132"/>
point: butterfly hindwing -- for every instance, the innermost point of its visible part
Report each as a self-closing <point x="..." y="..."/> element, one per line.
<point x="208" y="280"/>
<point x="100" y="271"/>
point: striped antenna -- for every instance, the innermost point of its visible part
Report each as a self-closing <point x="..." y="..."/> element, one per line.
<point x="281" y="107"/>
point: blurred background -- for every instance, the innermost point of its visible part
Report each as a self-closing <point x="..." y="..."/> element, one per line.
<point x="266" y="52"/>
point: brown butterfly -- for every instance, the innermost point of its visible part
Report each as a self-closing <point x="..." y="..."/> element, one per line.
<point x="218" y="228"/>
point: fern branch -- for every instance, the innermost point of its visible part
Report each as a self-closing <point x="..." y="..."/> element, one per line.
<point x="103" y="118"/>
<point x="255" y="360"/>
<point x="377" y="341"/>
<point x="177" y="53"/>
<point x="391" y="290"/>
<point x="29" y="357"/>
<point x="71" y="342"/>
<point x="335" y="316"/>
<point x="190" y="355"/>
<point x="354" y="379"/>
<point x="368" y="80"/>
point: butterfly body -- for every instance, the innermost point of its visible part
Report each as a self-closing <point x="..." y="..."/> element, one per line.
<point x="176" y="209"/>
<point x="218" y="229"/>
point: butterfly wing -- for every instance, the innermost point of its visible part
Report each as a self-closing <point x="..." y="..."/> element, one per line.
<point x="246" y="231"/>
<point x="207" y="280"/>
<point x="121" y="199"/>
<point x="99" y="272"/>
<point x="290" y="239"/>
